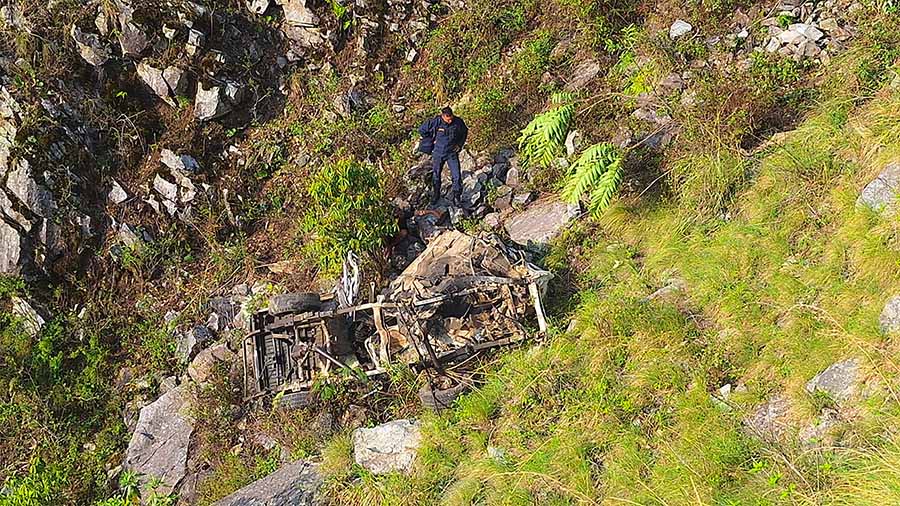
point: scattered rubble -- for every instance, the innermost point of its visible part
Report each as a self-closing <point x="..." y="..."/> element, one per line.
<point x="386" y="448"/>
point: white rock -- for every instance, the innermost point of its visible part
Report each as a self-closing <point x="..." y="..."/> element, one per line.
<point x="388" y="447"/>
<point x="117" y="194"/>
<point x="809" y="31"/>
<point x="679" y="28"/>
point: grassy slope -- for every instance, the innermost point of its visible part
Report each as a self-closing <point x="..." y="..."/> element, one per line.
<point x="619" y="411"/>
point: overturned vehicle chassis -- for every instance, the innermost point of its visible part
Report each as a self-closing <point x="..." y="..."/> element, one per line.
<point x="462" y="296"/>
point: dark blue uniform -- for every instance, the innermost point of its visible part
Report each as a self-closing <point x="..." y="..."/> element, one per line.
<point x="449" y="139"/>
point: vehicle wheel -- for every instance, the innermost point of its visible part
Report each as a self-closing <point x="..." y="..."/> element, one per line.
<point x="440" y="398"/>
<point x="294" y="303"/>
<point x="293" y="400"/>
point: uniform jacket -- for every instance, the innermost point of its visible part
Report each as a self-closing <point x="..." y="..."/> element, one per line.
<point x="447" y="138"/>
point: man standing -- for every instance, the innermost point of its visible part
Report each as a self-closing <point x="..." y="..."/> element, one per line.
<point x="444" y="137"/>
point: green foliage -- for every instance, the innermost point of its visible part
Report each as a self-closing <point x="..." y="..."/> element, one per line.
<point x="347" y="212"/>
<point x="40" y="487"/>
<point x="598" y="174"/>
<point x="542" y="140"/>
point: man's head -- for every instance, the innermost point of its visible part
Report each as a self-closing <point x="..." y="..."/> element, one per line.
<point x="447" y="115"/>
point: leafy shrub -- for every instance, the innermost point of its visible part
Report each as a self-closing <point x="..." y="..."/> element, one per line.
<point x="347" y="212"/>
<point x="597" y="173"/>
<point x="543" y="139"/>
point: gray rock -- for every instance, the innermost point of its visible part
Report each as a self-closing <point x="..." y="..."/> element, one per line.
<point x="881" y="194"/>
<point x="770" y="421"/>
<point x="257" y="6"/>
<point x="296" y="484"/>
<point x="191" y="342"/>
<point x="117" y="194"/>
<point x="12" y="256"/>
<point x="817" y="432"/>
<point x="582" y="74"/>
<point x="543" y="221"/>
<point x="209" y="105"/>
<point x="90" y="47"/>
<point x="296" y="13"/>
<point x="512" y="178"/>
<point x="890" y="315"/>
<point x="33" y="195"/>
<point x="14" y="18"/>
<point x="573" y="142"/>
<point x="167" y="190"/>
<point x="32" y="321"/>
<point x="809" y="31"/>
<point x="153" y="78"/>
<point x="679" y="28"/>
<point x="184" y="164"/>
<point x="466" y="161"/>
<point x="387" y="447"/>
<point x="840" y="380"/>
<point x="492" y="220"/>
<point x="176" y="79"/>
<point x="159" y="446"/>
<point x="203" y="366"/>
<point x="132" y="38"/>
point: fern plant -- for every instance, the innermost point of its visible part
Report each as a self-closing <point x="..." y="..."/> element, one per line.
<point x="544" y="137"/>
<point x="597" y="173"/>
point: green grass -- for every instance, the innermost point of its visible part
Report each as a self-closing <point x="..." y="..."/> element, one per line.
<point x="783" y="276"/>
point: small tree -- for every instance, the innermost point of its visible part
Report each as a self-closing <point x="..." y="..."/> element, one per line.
<point x="597" y="173"/>
<point x="347" y="211"/>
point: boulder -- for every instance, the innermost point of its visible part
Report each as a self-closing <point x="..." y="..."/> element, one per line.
<point x="840" y="381"/>
<point x="132" y="38"/>
<point x="679" y="28"/>
<point x="540" y="223"/>
<point x="191" y="342"/>
<point x="89" y="47"/>
<point x="296" y="484"/>
<point x="388" y="447"/>
<point x="881" y="194"/>
<point x="158" y="449"/>
<point x="890" y="315"/>
<point x="12" y="256"/>
<point x="203" y="366"/>
<point x="209" y="104"/>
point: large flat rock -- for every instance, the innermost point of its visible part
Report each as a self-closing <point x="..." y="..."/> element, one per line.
<point x="159" y="445"/>
<point x="840" y="381"/>
<point x="295" y="484"/>
<point x="543" y="221"/>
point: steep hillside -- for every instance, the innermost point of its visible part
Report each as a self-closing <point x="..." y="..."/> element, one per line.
<point x="723" y="310"/>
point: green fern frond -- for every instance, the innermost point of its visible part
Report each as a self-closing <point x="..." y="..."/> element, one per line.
<point x="598" y="172"/>
<point x="544" y="137"/>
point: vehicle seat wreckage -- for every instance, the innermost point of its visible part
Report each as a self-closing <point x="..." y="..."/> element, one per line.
<point x="462" y="296"/>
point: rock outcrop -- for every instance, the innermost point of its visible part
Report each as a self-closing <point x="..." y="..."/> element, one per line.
<point x="880" y="195"/>
<point x="540" y="223"/>
<point x="840" y="381"/>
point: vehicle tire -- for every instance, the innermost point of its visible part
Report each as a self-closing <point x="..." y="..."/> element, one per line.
<point x="293" y="400"/>
<point x="438" y="399"/>
<point x="294" y="303"/>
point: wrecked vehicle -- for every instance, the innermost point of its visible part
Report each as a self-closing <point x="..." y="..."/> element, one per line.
<point x="463" y="295"/>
